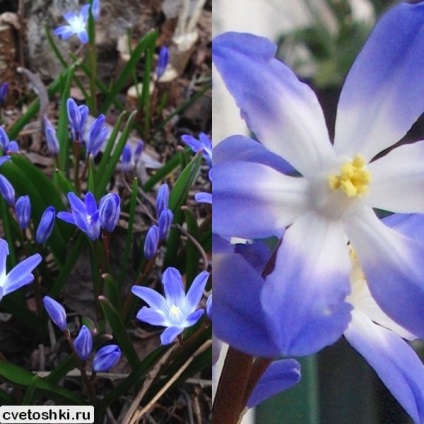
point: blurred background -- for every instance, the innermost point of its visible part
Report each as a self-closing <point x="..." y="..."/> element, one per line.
<point x="319" y="40"/>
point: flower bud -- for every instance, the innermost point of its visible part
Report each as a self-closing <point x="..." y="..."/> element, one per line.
<point x="162" y="61"/>
<point x="45" y="227"/>
<point x="23" y="211"/>
<point x="3" y="91"/>
<point x="95" y="9"/>
<point x="96" y="135"/>
<point x="56" y="312"/>
<point x="164" y="223"/>
<point x="4" y="140"/>
<point x="126" y="158"/>
<point x="7" y="191"/>
<point x="83" y="343"/>
<point x="209" y="307"/>
<point x="51" y="138"/>
<point x="151" y="242"/>
<point x="77" y="115"/>
<point x="162" y="199"/>
<point x="13" y="147"/>
<point x="106" y="358"/>
<point x="109" y="210"/>
<point x="138" y="150"/>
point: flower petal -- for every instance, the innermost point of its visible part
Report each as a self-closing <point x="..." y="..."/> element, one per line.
<point x="64" y="32"/>
<point x="394" y="361"/>
<point x="21" y="274"/>
<point x="173" y="287"/>
<point x="398" y="180"/>
<point x="152" y="317"/>
<point x="4" y="252"/>
<point x="308" y="285"/>
<point x="384" y="92"/>
<point x="241" y="148"/>
<point x="192" y="318"/>
<point x="168" y="336"/>
<point x="252" y="200"/>
<point x="392" y="265"/>
<point x="237" y="288"/>
<point x="151" y="297"/>
<point x="195" y="292"/>
<point x="279" y="376"/>
<point x="283" y="112"/>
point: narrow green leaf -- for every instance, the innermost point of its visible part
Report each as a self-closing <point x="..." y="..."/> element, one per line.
<point x="148" y="40"/>
<point x="120" y="332"/>
<point x="61" y="370"/>
<point x="145" y="94"/>
<point x="62" y="124"/>
<point x="112" y="291"/>
<point x="65" y="185"/>
<point x="193" y="254"/>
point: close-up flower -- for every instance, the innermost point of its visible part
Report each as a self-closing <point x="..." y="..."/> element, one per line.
<point x="176" y="310"/>
<point x="84" y="214"/>
<point x="76" y="25"/>
<point x="332" y="200"/>
<point x="18" y="276"/>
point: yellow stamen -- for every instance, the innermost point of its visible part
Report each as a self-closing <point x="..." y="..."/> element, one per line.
<point x="353" y="178"/>
<point x="175" y="311"/>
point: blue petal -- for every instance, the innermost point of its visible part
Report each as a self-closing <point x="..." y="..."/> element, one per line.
<point x="394" y="361"/>
<point x="56" y="312"/>
<point x="151" y="297"/>
<point x="152" y="317"/>
<point x="244" y="149"/>
<point x="168" y="336"/>
<point x="4" y="252"/>
<point x="304" y="296"/>
<point x="283" y="112"/>
<point x="83" y="36"/>
<point x="252" y="200"/>
<point x="408" y="224"/>
<point x="257" y="254"/>
<point x="393" y="267"/>
<point x="279" y="376"/>
<point x="173" y="286"/>
<point x="384" y="92"/>
<point x="67" y="217"/>
<point x="195" y="292"/>
<point x="238" y="317"/>
<point x="192" y="318"/>
<point x="21" y="274"/>
<point x="64" y="32"/>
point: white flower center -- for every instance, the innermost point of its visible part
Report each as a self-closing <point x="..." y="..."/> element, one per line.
<point x="78" y="24"/>
<point x="175" y="313"/>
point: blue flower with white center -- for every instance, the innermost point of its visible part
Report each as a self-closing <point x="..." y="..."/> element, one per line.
<point x="83" y="343"/>
<point x="106" y="358"/>
<point x="84" y="215"/>
<point x="45" y="227"/>
<point x="332" y="200"/>
<point x="204" y="143"/>
<point x="177" y="310"/>
<point x="77" y="25"/>
<point x="20" y="275"/>
<point x="56" y="312"/>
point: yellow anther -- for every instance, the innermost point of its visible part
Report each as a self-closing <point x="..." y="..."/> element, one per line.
<point x="353" y="178"/>
<point x="175" y="311"/>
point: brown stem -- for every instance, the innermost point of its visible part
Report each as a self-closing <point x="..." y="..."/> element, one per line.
<point x="258" y="368"/>
<point x="230" y="396"/>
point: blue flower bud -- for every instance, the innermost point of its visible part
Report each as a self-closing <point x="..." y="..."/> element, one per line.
<point x="3" y="91"/>
<point x="151" y="242"/>
<point x="56" y="312"/>
<point x="164" y="223"/>
<point x="4" y="140"/>
<point x="83" y="343"/>
<point x="138" y="150"/>
<point x="95" y="9"/>
<point x="126" y="158"/>
<point x="109" y="210"/>
<point x="162" y="61"/>
<point x="23" y="211"/>
<point x="45" y="227"/>
<point x="96" y="135"/>
<point x="13" y="147"/>
<point x="7" y="191"/>
<point x="77" y="115"/>
<point x="106" y="358"/>
<point x="162" y="199"/>
<point x="209" y="307"/>
<point x="51" y="138"/>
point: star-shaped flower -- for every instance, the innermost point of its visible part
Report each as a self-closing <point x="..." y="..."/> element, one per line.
<point x="77" y="25"/>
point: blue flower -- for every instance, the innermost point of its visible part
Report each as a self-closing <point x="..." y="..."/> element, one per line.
<point x="162" y="61"/>
<point x="45" y="227"/>
<point x="164" y="223"/>
<point x="106" y="358"/>
<point x="23" y="211"/>
<point x="7" y="191"/>
<point x="51" y="138"/>
<point x="20" y="275"/>
<point x="109" y="211"/>
<point x="84" y="215"/>
<point x="77" y="25"/>
<point x="77" y="116"/>
<point x="333" y="199"/>
<point x="151" y="242"/>
<point x="3" y="91"/>
<point x="176" y="310"/>
<point x="162" y="199"/>
<point x="83" y="343"/>
<point x="96" y="135"/>
<point x="126" y="159"/>
<point x="56" y="312"/>
<point x="203" y="197"/>
<point x="4" y="140"/>
<point x="204" y="144"/>
<point x="95" y="9"/>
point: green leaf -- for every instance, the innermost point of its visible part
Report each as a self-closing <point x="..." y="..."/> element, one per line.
<point x="193" y="254"/>
<point x="147" y="41"/>
<point x="120" y="332"/>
